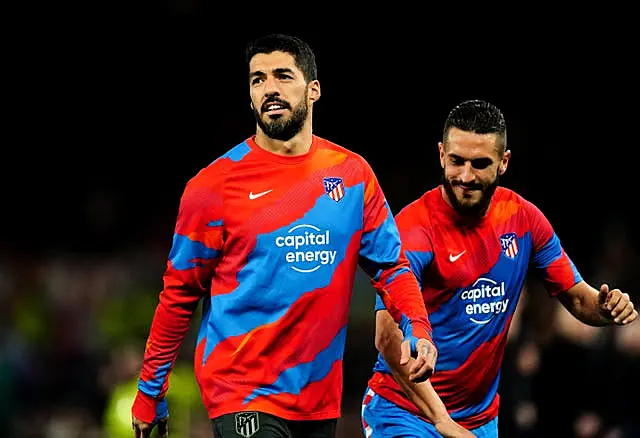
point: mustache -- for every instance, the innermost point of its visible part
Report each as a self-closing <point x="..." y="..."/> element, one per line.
<point x="271" y="100"/>
<point x="470" y="186"/>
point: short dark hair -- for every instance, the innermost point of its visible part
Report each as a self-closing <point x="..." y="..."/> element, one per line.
<point x="301" y="51"/>
<point x="480" y="117"/>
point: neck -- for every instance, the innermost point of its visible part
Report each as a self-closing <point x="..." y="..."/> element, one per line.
<point x="299" y="144"/>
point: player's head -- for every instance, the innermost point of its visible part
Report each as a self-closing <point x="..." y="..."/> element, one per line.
<point x="283" y="84"/>
<point x="473" y="154"/>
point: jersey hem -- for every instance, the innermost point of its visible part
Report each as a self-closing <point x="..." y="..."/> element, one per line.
<point x="332" y="414"/>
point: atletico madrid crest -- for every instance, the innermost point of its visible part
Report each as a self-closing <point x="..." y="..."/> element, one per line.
<point x="247" y="423"/>
<point x="334" y="187"/>
<point x="509" y="244"/>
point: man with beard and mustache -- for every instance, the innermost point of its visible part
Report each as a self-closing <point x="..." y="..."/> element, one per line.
<point x="269" y="236"/>
<point x="470" y="244"/>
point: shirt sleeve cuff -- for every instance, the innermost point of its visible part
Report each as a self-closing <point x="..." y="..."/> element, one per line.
<point x="144" y="407"/>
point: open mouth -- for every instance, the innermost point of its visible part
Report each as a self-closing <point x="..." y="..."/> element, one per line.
<point x="273" y="108"/>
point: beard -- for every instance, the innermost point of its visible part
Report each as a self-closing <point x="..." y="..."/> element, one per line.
<point x="279" y="128"/>
<point x="476" y="209"/>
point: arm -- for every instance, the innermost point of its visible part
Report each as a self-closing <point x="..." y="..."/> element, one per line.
<point x="194" y="253"/>
<point x="598" y="308"/>
<point x="382" y="259"/>
<point x="562" y="279"/>
<point x="388" y="339"/>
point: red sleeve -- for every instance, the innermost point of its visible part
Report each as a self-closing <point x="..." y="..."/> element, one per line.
<point x="382" y="258"/>
<point x="551" y="262"/>
<point x="197" y="243"/>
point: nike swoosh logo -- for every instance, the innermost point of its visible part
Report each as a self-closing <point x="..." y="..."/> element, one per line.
<point x="257" y="195"/>
<point x="453" y="258"/>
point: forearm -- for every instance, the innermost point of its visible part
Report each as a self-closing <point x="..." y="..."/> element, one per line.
<point x="421" y="394"/>
<point x="403" y="300"/>
<point x="169" y="327"/>
<point x="388" y="342"/>
<point x="582" y="301"/>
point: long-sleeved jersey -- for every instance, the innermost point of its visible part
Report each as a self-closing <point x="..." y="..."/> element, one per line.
<point x="271" y="244"/>
<point x="471" y="274"/>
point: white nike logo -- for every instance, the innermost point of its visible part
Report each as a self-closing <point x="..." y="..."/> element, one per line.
<point x="453" y="258"/>
<point x="257" y="195"/>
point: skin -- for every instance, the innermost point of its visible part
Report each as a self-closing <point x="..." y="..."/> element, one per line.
<point x="472" y="164"/>
<point x="143" y="430"/>
<point x="279" y="95"/>
<point x="388" y="339"/>
<point x="275" y="77"/>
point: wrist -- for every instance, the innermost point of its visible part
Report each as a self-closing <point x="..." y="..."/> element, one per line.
<point x="416" y="329"/>
<point x="148" y="409"/>
<point x="447" y="427"/>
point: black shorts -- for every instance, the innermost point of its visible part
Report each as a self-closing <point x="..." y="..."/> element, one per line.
<point x="259" y="425"/>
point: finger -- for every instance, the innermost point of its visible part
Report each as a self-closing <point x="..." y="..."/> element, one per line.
<point x="623" y="302"/>
<point x="432" y="358"/>
<point x="418" y="363"/>
<point x="428" y="350"/>
<point x="421" y="374"/>
<point x="405" y="352"/>
<point x="427" y="367"/>
<point x="629" y="319"/>
<point x="417" y="368"/>
<point x="143" y="430"/>
<point x="614" y="298"/>
<point x="622" y="310"/>
<point x="163" y="428"/>
<point x="604" y="294"/>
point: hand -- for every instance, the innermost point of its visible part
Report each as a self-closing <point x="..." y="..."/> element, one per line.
<point x="143" y="430"/>
<point x="451" y="429"/>
<point x="617" y="305"/>
<point x="424" y="365"/>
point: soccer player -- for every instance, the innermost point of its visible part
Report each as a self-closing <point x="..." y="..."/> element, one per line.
<point x="470" y="243"/>
<point x="269" y="236"/>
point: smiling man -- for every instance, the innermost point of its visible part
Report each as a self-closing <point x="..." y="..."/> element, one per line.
<point x="269" y="236"/>
<point x="470" y="244"/>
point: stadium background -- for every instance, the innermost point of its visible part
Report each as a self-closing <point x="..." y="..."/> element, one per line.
<point x="114" y="106"/>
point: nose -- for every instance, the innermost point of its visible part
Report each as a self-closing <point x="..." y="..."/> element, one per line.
<point x="466" y="173"/>
<point x="271" y="86"/>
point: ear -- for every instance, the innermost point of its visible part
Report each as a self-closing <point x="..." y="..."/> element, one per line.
<point x="314" y="90"/>
<point x="441" y="150"/>
<point x="504" y="163"/>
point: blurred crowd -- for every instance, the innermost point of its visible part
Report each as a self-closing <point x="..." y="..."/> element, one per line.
<point x="74" y="325"/>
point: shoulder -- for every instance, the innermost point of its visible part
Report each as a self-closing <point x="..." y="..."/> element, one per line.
<point x="513" y="206"/>
<point x="212" y="175"/>
<point x="508" y="199"/>
<point x="345" y="153"/>
<point x="416" y="211"/>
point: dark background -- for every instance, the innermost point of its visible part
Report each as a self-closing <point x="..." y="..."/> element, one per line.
<point x="112" y="107"/>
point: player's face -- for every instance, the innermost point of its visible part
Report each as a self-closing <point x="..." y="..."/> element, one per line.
<point x="280" y="97"/>
<point x="472" y="165"/>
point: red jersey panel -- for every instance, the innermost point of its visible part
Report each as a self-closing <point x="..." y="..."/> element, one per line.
<point x="272" y="244"/>
<point x="471" y="273"/>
